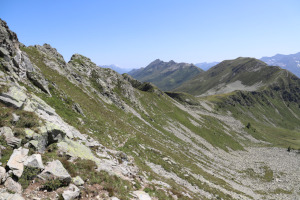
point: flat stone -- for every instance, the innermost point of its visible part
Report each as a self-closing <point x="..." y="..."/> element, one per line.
<point x="16" y="161"/>
<point x="75" y="149"/>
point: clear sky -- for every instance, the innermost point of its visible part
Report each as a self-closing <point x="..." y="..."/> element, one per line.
<point x="133" y="33"/>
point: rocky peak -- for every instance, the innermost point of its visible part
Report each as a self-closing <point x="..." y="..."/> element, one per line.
<point x="8" y="39"/>
<point x="51" y="52"/>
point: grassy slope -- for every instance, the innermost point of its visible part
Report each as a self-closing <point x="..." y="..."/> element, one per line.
<point x="112" y="126"/>
<point x="124" y="131"/>
<point x="242" y="69"/>
<point x="271" y="118"/>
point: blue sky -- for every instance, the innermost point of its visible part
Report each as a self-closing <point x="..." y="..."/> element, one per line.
<point x="133" y="33"/>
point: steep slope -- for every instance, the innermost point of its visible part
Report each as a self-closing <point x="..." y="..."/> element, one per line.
<point x="246" y="74"/>
<point x="128" y="139"/>
<point x="290" y="62"/>
<point x="166" y="75"/>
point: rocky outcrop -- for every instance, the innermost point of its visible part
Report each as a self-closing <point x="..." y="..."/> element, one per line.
<point x="20" y="67"/>
<point x="13" y="97"/>
<point x="55" y="170"/>
<point x="11" y="140"/>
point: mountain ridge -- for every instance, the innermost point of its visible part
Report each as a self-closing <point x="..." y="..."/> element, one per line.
<point x="166" y="75"/>
<point x="290" y="62"/>
<point x="247" y="74"/>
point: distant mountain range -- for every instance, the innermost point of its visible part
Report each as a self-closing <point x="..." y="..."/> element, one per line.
<point x="290" y="62"/>
<point x="166" y="75"/>
<point x="116" y="68"/>
<point x="205" y="65"/>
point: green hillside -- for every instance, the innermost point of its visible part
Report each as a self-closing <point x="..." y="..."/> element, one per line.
<point x="247" y="74"/>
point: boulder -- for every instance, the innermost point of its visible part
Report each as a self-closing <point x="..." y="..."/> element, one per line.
<point x="8" y="196"/>
<point x="71" y="193"/>
<point x="141" y="195"/>
<point x="49" y="133"/>
<point x="77" y="181"/>
<point x="15" y="117"/>
<point x="34" y="161"/>
<point x="11" y="140"/>
<point x="38" y="80"/>
<point x="29" y="133"/>
<point x="76" y="150"/>
<point x="13" y="186"/>
<point x="16" y="161"/>
<point x="55" y="170"/>
<point x="3" y="175"/>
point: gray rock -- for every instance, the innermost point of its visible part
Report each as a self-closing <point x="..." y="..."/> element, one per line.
<point x="29" y="133"/>
<point x="38" y="80"/>
<point x="34" y="161"/>
<point x="77" y="181"/>
<point x="71" y="193"/>
<point x="55" y="170"/>
<point x="3" y="52"/>
<point x="78" y="109"/>
<point x="16" y="161"/>
<point x="114" y="198"/>
<point x="11" y="140"/>
<point x="8" y="196"/>
<point x="13" y="186"/>
<point x="3" y="175"/>
<point x="34" y="144"/>
<point x="15" y="117"/>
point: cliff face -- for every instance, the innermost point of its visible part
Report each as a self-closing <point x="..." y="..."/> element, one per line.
<point x="74" y="130"/>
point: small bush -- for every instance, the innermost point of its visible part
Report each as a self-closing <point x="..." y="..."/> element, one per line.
<point x="52" y="185"/>
<point x="29" y="174"/>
